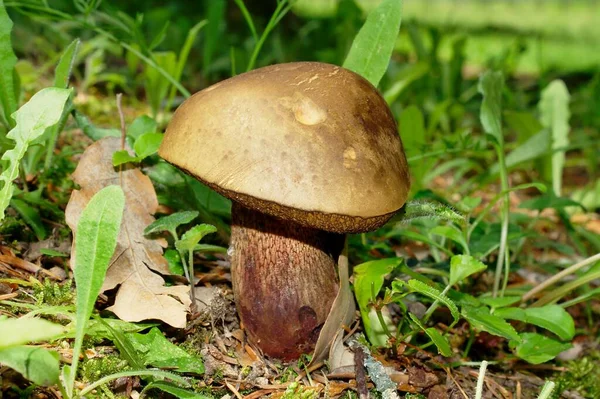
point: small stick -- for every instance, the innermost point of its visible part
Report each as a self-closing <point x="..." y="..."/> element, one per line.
<point x="361" y="378"/>
<point x="122" y="119"/>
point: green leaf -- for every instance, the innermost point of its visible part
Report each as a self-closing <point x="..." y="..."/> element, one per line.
<point x="174" y="390"/>
<point x="156" y="85"/>
<point x="500" y="302"/>
<point x="95" y="241"/>
<point x="92" y="131"/>
<point x="171" y="222"/>
<point x="38" y="365"/>
<point x="42" y="111"/>
<point x="141" y="125"/>
<point x="103" y="328"/>
<point x="193" y="236"/>
<point x="536" y="348"/>
<point x="549" y="200"/>
<point x="551" y="317"/>
<point x="122" y="156"/>
<point x="368" y="279"/>
<point x="213" y="33"/>
<point x="174" y="260"/>
<point x="436" y="337"/>
<point x="53" y="253"/>
<point x="63" y="70"/>
<point x="554" y="115"/>
<point x="8" y="60"/>
<point x="490" y="86"/>
<point x="435" y="294"/>
<point x="147" y="144"/>
<point x="462" y="266"/>
<point x="27" y="330"/>
<point x="412" y="73"/>
<point x="157" y="351"/>
<point x="481" y="319"/>
<point x="452" y="233"/>
<point x="372" y="48"/>
<point x="524" y="124"/>
<point x="412" y="130"/>
<point x="423" y="209"/>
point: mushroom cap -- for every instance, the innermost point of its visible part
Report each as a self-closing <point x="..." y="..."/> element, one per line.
<point x="306" y="141"/>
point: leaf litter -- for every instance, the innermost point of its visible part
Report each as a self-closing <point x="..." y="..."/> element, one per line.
<point x="137" y="264"/>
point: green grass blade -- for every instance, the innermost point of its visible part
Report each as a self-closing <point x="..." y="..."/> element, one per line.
<point x="213" y="36"/>
<point x="8" y="97"/>
<point x="63" y="70"/>
<point x="95" y="241"/>
<point x="372" y="48"/>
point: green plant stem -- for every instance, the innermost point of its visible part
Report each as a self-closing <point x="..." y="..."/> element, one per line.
<point x="248" y="18"/>
<point x="133" y="373"/>
<point x="503" y="250"/>
<point x="559" y="276"/>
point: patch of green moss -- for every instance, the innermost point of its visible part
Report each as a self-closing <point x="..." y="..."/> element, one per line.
<point x="93" y="369"/>
<point x="51" y="293"/>
<point x="582" y="376"/>
<point x="296" y="391"/>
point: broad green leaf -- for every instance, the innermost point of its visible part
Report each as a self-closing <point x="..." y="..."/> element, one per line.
<point x="462" y="266"/>
<point x="8" y="60"/>
<point x="93" y="132"/>
<point x="122" y="156"/>
<point x="500" y="302"/>
<point x="481" y="319"/>
<point x="42" y="111"/>
<point x="63" y="70"/>
<point x="102" y="328"/>
<point x="554" y="115"/>
<point x="372" y="48"/>
<point x="193" y="236"/>
<point x="171" y="222"/>
<point x="95" y="241"/>
<point x="147" y="144"/>
<point x="27" y="330"/>
<point x="452" y="233"/>
<point x="38" y="365"/>
<point x="551" y="317"/>
<point x="490" y="86"/>
<point x="435" y="294"/>
<point x="174" y="260"/>
<point x="436" y="337"/>
<point x="368" y="280"/>
<point x="141" y="125"/>
<point x="175" y="390"/>
<point x="157" y="351"/>
<point x="536" y="348"/>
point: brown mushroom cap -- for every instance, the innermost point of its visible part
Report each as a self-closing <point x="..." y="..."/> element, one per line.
<point x="310" y="142"/>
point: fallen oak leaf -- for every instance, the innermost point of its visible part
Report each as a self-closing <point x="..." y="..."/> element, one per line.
<point x="138" y="260"/>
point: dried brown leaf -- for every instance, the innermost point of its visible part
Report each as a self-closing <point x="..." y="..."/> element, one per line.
<point x="137" y="259"/>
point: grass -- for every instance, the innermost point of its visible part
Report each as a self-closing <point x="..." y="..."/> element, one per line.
<point x="424" y="283"/>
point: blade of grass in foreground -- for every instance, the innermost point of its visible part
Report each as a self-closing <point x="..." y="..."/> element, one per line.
<point x="95" y="241"/>
<point x="372" y="48"/>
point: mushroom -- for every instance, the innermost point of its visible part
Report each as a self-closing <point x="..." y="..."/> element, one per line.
<point x="307" y="152"/>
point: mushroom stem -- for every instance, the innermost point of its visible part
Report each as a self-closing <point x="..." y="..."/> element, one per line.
<point x="284" y="280"/>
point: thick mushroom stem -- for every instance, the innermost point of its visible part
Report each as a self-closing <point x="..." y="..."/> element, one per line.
<point x="284" y="280"/>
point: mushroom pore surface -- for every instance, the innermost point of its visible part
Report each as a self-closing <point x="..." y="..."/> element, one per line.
<point x="284" y="280"/>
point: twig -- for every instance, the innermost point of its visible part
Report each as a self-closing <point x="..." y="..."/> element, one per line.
<point x="233" y="390"/>
<point x="122" y="119"/>
<point x="361" y="378"/>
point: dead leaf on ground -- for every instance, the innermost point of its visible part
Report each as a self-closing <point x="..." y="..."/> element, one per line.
<point x="138" y="260"/>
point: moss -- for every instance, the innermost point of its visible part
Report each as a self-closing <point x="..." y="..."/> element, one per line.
<point x="296" y="391"/>
<point x="582" y="376"/>
<point x="53" y="294"/>
<point x="93" y="369"/>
